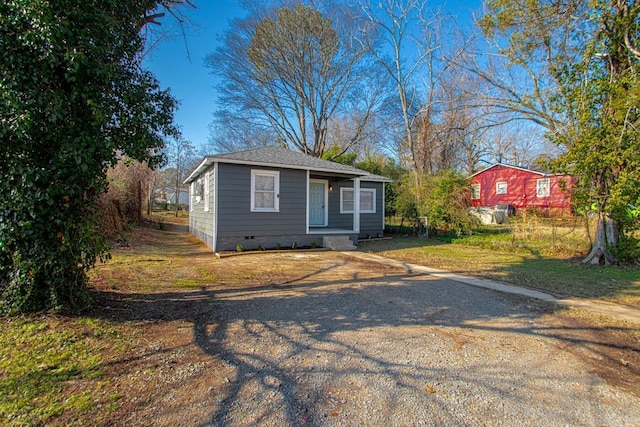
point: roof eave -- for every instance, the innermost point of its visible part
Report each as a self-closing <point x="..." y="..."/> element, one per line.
<point x="206" y="162"/>
<point x="287" y="166"/>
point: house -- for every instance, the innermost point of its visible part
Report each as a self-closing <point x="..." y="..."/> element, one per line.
<point x="273" y="197"/>
<point x="522" y="188"/>
<point x="183" y="197"/>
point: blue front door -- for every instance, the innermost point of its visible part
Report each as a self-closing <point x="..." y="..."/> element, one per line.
<point x="317" y="201"/>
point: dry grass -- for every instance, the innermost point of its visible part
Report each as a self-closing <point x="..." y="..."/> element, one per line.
<point x="535" y="252"/>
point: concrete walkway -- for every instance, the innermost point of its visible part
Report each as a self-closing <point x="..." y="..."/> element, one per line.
<point x="618" y="311"/>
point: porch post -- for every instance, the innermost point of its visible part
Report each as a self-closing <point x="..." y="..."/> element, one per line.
<point x="356" y="205"/>
<point x="384" y="211"/>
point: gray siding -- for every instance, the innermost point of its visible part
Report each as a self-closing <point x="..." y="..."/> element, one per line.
<point x="336" y="219"/>
<point x="238" y="225"/>
<point x="200" y="221"/>
<point x="371" y="223"/>
<point x="235" y="218"/>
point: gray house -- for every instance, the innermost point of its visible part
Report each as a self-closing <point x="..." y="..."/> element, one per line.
<point x="274" y="197"/>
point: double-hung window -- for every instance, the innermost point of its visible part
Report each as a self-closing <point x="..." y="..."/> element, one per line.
<point x="265" y="191"/>
<point x="501" y="187"/>
<point x="206" y="192"/>
<point x="543" y="187"/>
<point x="367" y="200"/>
<point x="192" y="193"/>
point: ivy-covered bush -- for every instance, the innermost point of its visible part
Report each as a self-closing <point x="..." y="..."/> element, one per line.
<point x="73" y="98"/>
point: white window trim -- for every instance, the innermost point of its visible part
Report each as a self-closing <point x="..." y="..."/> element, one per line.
<point x="276" y="190"/>
<point x="473" y="192"/>
<point x="206" y="192"/>
<point x="342" y="191"/>
<point x="548" y="187"/>
<point x="373" y="200"/>
<point x="362" y="190"/>
<point x="505" y="187"/>
<point x="192" y="195"/>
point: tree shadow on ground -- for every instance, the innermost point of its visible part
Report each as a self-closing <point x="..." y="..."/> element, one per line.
<point x="290" y="346"/>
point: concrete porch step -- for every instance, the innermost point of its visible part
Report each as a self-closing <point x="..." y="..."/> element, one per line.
<point x="338" y="243"/>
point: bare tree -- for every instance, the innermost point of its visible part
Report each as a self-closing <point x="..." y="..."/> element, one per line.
<point x="401" y="25"/>
<point x="294" y="69"/>
<point x="152" y="26"/>
<point x="229" y="134"/>
<point x="522" y="66"/>
<point x="180" y="153"/>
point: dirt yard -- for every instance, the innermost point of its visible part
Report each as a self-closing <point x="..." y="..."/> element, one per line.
<point x="319" y="338"/>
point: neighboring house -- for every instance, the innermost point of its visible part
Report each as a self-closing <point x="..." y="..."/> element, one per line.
<point x="522" y="188"/>
<point x="273" y="196"/>
<point x="183" y="198"/>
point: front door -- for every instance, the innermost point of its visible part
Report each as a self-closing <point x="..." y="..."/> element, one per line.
<point x="317" y="203"/>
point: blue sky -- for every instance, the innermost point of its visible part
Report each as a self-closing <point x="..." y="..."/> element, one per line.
<point x="190" y="81"/>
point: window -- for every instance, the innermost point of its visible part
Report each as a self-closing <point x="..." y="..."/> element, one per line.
<point x="367" y="200"/>
<point x="542" y="188"/>
<point x="475" y="191"/>
<point x="265" y="189"/>
<point x="206" y="192"/>
<point x="501" y="187"/>
<point x="198" y="190"/>
<point x="346" y="200"/>
<point x="192" y="191"/>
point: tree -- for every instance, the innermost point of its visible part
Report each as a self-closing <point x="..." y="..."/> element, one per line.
<point x="74" y="99"/>
<point x="396" y="21"/>
<point x="229" y="135"/>
<point x="293" y="70"/>
<point x="440" y="126"/>
<point x="582" y="61"/>
<point x="180" y="157"/>
<point x="446" y="202"/>
<point x="528" y="44"/>
<point x="128" y="189"/>
<point x="386" y="166"/>
<point x="603" y="148"/>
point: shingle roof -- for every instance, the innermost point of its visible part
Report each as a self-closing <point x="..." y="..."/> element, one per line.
<point x="284" y="158"/>
<point x="542" y="173"/>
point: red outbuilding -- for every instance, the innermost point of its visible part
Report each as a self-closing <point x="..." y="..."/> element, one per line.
<point x="522" y="188"/>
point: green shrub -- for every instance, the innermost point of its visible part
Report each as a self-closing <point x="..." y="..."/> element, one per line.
<point x="628" y="249"/>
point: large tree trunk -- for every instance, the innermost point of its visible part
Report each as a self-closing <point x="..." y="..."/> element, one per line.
<point x="599" y="254"/>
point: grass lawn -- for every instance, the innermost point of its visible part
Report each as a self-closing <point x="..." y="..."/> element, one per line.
<point x="548" y="260"/>
<point x="52" y="365"/>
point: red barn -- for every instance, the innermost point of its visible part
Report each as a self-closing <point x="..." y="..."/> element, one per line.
<point x="522" y="188"/>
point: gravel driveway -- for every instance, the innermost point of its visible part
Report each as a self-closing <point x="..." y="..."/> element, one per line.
<point x="357" y="343"/>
